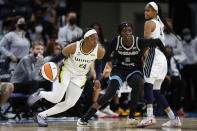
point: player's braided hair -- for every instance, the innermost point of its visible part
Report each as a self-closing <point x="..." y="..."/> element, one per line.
<point x="123" y="25"/>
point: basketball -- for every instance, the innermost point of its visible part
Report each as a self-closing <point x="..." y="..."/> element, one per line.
<point x="50" y="71"/>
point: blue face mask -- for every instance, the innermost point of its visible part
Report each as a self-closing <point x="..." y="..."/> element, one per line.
<point x="187" y="37"/>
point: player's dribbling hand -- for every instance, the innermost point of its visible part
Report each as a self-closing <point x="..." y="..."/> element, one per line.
<point x="97" y="84"/>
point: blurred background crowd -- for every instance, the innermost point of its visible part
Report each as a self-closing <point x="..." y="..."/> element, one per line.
<point x="33" y="31"/>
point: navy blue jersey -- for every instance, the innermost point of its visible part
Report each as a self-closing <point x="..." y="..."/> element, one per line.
<point x="128" y="58"/>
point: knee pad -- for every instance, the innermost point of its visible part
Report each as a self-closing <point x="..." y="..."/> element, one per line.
<point x="148" y="93"/>
<point x="160" y="98"/>
<point x="110" y="92"/>
<point x="135" y="81"/>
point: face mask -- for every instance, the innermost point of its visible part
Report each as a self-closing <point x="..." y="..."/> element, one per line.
<point x="38" y="29"/>
<point x="73" y="21"/>
<point x="187" y="38"/>
<point x="22" y="26"/>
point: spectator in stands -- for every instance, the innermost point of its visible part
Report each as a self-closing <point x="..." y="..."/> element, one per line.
<point x="174" y="84"/>
<point x="26" y="74"/>
<point x="38" y="17"/>
<point x="174" y="41"/>
<point x="99" y="31"/>
<point x="190" y="66"/>
<point x="23" y="8"/>
<point x="17" y="42"/>
<point x="50" y="13"/>
<point x="70" y="32"/>
<point x="40" y="35"/>
<point x="52" y="49"/>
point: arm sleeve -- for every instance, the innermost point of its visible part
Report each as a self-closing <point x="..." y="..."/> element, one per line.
<point x="143" y="43"/>
<point x="5" y="41"/>
<point x="57" y="58"/>
<point x="98" y="68"/>
<point x="111" y="47"/>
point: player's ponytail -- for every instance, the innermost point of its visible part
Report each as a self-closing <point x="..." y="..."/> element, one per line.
<point x="165" y="22"/>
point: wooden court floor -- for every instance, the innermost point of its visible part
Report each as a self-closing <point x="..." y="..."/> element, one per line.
<point x="188" y="124"/>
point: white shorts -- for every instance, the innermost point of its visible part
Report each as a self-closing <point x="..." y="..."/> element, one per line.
<point x="158" y="70"/>
<point x="66" y="77"/>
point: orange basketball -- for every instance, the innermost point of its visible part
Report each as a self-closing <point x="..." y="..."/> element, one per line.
<point x="50" y="71"/>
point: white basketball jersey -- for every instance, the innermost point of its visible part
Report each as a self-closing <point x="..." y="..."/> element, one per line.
<point x="158" y="32"/>
<point x="79" y="62"/>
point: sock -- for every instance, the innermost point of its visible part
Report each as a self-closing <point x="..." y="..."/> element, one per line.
<point x="171" y="115"/>
<point x="149" y="112"/>
<point x="89" y="114"/>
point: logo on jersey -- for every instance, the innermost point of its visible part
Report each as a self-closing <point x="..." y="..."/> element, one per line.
<point x="83" y="60"/>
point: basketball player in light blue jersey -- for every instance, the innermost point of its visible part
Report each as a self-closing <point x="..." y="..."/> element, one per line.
<point x="81" y="55"/>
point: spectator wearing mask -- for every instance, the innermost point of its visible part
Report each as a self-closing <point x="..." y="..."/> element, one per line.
<point x="26" y="74"/>
<point x="39" y="35"/>
<point x="70" y="32"/>
<point x="174" y="41"/>
<point x="190" y="66"/>
<point x="17" y="42"/>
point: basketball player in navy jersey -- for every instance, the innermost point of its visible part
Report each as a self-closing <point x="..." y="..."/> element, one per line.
<point x="126" y="66"/>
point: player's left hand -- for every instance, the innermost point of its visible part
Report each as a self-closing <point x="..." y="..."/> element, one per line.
<point x="97" y="84"/>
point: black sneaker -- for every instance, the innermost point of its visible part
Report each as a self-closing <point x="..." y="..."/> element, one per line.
<point x="81" y="122"/>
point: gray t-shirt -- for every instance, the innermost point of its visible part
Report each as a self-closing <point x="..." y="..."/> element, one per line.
<point x="17" y="46"/>
<point x="27" y="69"/>
<point x="67" y="35"/>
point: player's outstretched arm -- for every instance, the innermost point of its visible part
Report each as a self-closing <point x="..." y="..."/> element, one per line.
<point x="70" y="49"/>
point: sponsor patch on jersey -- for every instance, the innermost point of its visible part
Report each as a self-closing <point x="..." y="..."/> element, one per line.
<point x="92" y="54"/>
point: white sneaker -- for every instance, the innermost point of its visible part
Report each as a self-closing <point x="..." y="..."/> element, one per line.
<point x="173" y="123"/>
<point x="108" y="111"/>
<point x="147" y="121"/>
<point x="132" y="121"/>
<point x="101" y="114"/>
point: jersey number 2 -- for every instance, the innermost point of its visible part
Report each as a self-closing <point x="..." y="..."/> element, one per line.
<point x="82" y="66"/>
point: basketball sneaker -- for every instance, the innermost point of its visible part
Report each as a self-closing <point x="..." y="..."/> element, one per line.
<point x="173" y="123"/>
<point x="132" y="121"/>
<point x="100" y="114"/>
<point x="147" y="121"/>
<point x="81" y="122"/>
<point x="108" y="111"/>
<point x="33" y="98"/>
<point x="40" y="120"/>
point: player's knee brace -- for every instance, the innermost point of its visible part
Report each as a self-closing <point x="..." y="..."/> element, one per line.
<point x="148" y="93"/>
<point x="160" y="98"/>
<point x="110" y="92"/>
<point x="135" y="81"/>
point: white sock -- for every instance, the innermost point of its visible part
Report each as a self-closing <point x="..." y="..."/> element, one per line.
<point x="171" y="115"/>
<point x="149" y="112"/>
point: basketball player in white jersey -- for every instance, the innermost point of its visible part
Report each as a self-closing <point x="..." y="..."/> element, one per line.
<point x="81" y="55"/>
<point x="155" y="67"/>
